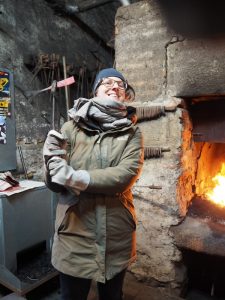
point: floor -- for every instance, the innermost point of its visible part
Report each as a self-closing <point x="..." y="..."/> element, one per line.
<point x="133" y="290"/>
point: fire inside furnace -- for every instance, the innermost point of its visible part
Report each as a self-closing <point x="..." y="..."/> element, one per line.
<point x="217" y="194"/>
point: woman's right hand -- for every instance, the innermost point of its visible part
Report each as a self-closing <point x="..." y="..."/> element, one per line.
<point x="54" y="145"/>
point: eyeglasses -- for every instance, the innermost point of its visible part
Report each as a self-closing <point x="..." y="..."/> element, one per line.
<point x="109" y="83"/>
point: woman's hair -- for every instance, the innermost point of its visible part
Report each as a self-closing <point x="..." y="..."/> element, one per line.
<point x="129" y="94"/>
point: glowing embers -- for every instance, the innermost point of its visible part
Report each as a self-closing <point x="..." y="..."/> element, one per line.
<point x="217" y="194"/>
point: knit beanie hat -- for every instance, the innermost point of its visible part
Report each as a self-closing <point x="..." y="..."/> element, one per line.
<point x="104" y="73"/>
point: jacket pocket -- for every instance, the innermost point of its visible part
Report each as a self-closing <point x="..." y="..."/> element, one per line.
<point x="118" y="218"/>
<point x="65" y="201"/>
<point x="130" y="218"/>
<point x="79" y="220"/>
<point x="130" y="210"/>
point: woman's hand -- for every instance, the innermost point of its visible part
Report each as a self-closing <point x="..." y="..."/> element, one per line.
<point x="65" y="175"/>
<point x="54" y="145"/>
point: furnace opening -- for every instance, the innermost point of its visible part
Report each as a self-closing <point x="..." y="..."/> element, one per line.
<point x="201" y="234"/>
<point x="209" y="149"/>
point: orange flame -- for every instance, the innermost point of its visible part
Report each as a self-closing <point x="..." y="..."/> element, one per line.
<point x="217" y="194"/>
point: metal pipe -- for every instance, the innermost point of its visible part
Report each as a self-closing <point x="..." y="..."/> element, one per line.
<point x="52" y="95"/>
<point x="125" y="2"/>
<point x="73" y="9"/>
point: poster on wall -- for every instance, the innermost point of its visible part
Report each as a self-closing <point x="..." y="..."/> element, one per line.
<point x="5" y="97"/>
<point x="8" y="159"/>
<point x="2" y="130"/>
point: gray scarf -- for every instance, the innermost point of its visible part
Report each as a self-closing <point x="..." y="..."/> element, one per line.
<point x="101" y="114"/>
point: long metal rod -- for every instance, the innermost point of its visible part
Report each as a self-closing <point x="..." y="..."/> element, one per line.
<point x="87" y="5"/>
<point x="74" y="9"/>
<point x="53" y="111"/>
<point x="124" y="2"/>
<point x="52" y="95"/>
<point x="66" y="88"/>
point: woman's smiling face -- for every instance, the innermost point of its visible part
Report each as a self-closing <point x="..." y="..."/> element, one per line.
<point x="113" y="88"/>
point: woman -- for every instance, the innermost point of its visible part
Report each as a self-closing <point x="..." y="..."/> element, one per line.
<point x="95" y="219"/>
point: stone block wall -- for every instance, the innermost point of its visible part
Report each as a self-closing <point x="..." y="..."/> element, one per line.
<point x="196" y="68"/>
<point x="141" y="44"/>
<point x="142" y="40"/>
<point x="162" y="65"/>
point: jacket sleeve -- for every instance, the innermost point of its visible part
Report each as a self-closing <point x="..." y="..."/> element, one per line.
<point x="54" y="187"/>
<point x="122" y="177"/>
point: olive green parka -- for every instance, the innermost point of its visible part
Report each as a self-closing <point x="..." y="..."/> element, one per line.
<point x="95" y="231"/>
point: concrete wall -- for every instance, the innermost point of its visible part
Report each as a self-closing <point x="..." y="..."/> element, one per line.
<point x="143" y="42"/>
<point x="161" y="65"/>
<point x="196" y="67"/>
<point x="159" y="62"/>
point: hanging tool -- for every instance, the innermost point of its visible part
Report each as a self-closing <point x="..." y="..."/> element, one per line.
<point x="52" y="88"/>
<point x="61" y="83"/>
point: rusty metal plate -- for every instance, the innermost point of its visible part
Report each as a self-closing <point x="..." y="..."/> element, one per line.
<point x="205" y="209"/>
